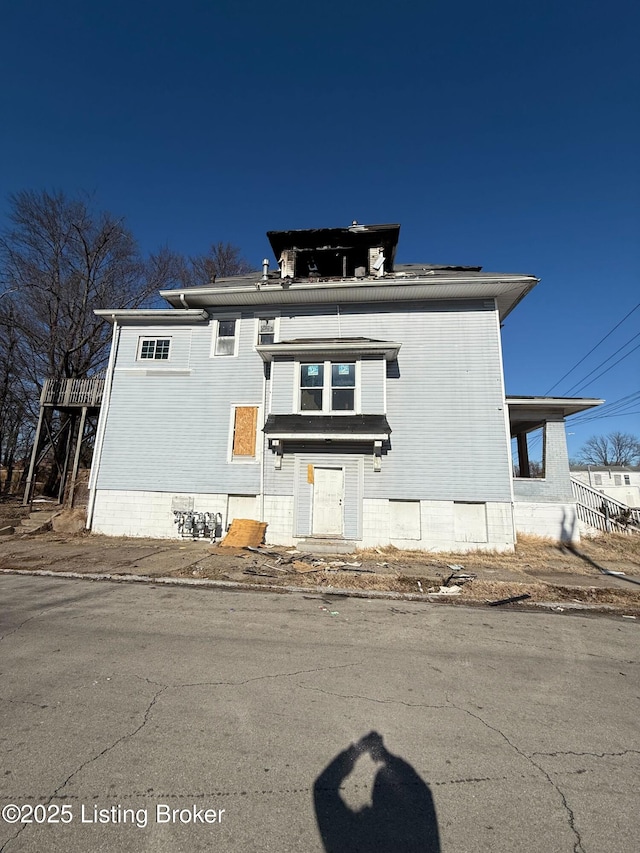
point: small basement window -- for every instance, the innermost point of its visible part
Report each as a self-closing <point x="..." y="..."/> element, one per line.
<point x="155" y="349"/>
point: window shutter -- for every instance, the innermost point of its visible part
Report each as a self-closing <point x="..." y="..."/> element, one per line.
<point x="244" y="431"/>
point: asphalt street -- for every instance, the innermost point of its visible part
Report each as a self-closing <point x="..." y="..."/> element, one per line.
<point x="141" y="718"/>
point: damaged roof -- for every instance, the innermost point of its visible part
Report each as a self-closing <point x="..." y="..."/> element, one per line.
<point x="356" y="236"/>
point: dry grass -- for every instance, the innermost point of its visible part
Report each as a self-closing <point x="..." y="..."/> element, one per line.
<point x="532" y="553"/>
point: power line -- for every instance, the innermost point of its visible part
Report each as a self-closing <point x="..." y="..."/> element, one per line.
<point x="616" y="408"/>
<point x="598" y="366"/>
<point x="610" y="408"/>
<point x="610" y="367"/>
<point x="578" y="363"/>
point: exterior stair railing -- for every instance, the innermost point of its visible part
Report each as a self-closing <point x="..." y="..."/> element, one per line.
<point x="602" y="512"/>
<point x="73" y="392"/>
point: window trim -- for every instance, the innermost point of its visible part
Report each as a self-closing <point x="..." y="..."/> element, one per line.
<point x="327" y="388"/>
<point x="155" y="338"/>
<point x="222" y="318"/>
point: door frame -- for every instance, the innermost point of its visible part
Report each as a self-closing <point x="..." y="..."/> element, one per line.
<point x="335" y="534"/>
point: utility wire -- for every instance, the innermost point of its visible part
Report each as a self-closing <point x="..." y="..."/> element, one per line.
<point x="584" y="357"/>
<point x="591" y="381"/>
<point x="604" y="361"/>
<point x="609" y="408"/>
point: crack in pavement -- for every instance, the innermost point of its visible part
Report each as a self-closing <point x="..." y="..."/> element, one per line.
<point x="371" y="699"/>
<point x="23" y="702"/>
<point x="577" y="846"/>
<point x="28" y="619"/>
<point x="588" y="754"/>
<point x="263" y="677"/>
<point x="92" y="759"/>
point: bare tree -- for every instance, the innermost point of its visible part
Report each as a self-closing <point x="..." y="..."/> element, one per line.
<point x="616" y="448"/>
<point x="62" y="259"/>
<point x="59" y="259"/>
<point x="222" y="260"/>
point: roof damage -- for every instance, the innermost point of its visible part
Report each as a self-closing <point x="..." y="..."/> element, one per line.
<point x="354" y="252"/>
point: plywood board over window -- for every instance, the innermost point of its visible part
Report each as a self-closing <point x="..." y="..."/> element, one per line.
<point x="244" y="431"/>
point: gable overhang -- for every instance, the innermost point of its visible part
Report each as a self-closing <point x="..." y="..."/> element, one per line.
<point x="323" y="349"/>
<point x="530" y="413"/>
<point x="507" y="290"/>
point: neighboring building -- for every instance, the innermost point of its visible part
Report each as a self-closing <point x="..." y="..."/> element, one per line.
<point x="615" y="481"/>
<point x="341" y="396"/>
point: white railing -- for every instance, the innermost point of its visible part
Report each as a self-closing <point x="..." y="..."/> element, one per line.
<point x="602" y="512"/>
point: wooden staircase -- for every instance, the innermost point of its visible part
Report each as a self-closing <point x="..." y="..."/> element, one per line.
<point x="601" y="512"/>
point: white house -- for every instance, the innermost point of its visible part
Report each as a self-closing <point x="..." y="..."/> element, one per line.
<point x="614" y="481"/>
<point x="339" y="396"/>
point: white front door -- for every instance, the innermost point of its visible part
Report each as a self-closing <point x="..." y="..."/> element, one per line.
<point x="328" y="495"/>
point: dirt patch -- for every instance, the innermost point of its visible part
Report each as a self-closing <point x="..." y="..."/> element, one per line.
<point x="542" y="569"/>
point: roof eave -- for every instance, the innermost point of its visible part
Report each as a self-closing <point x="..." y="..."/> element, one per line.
<point x="163" y="315"/>
<point x="507" y="290"/>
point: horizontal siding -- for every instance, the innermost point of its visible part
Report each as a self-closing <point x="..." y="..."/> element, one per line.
<point x="443" y="401"/>
<point x="372" y="375"/>
<point x="171" y="433"/>
<point x="179" y="351"/>
<point x="282" y="387"/>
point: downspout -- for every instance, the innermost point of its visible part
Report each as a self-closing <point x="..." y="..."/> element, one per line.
<point x="265" y="442"/>
<point x="507" y="425"/>
<point x="102" y="422"/>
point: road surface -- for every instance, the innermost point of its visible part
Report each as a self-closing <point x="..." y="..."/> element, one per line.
<point x="140" y="718"/>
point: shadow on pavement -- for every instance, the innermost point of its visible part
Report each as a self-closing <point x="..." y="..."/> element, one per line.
<point x="402" y="815"/>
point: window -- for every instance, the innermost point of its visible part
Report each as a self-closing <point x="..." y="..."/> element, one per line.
<point x="328" y="387"/>
<point x="343" y="387"/>
<point x="627" y="480"/>
<point x="617" y="480"/>
<point x="156" y="349"/>
<point x="226" y="337"/>
<point x="597" y="479"/>
<point x="267" y="330"/>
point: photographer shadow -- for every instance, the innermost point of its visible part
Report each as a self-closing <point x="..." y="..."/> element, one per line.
<point x="401" y="817"/>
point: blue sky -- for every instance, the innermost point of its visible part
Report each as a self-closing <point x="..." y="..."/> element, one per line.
<point x="498" y="133"/>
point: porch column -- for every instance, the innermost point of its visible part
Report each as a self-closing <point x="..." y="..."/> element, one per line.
<point x="523" y="455"/>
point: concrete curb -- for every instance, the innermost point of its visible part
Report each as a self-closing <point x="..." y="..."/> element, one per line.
<point x="434" y="598"/>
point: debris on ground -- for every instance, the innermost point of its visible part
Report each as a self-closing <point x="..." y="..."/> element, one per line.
<point x="302" y="567"/>
<point x="510" y="600"/>
<point x="244" y="532"/>
<point x="447" y="590"/>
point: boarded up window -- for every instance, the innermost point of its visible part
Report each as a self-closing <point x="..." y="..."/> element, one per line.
<point x="244" y="431"/>
<point x="470" y="522"/>
<point x="404" y="519"/>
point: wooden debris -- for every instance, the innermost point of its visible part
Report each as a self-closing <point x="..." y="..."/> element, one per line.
<point x="302" y="568"/>
<point x="243" y="533"/>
